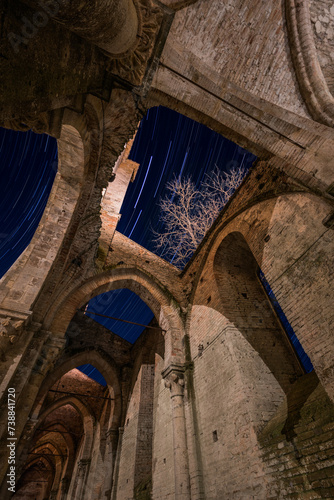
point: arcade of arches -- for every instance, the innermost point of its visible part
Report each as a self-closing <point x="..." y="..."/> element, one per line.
<point x="211" y="402"/>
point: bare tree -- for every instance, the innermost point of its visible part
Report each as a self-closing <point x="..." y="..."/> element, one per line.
<point x="188" y="213"/>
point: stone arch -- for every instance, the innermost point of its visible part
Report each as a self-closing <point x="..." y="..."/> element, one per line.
<point x="21" y="491"/>
<point x="288" y="237"/>
<point x="164" y="307"/>
<point x="292" y="152"/>
<point x="62" y="451"/>
<point x="151" y="292"/>
<point x="67" y="469"/>
<point x="87" y="419"/>
<point x="59" y="463"/>
<point x="269" y="116"/>
<point x="22" y="283"/>
<point x="314" y="86"/>
<point x="54" y="460"/>
<point x="246" y="307"/>
<point x="106" y="368"/>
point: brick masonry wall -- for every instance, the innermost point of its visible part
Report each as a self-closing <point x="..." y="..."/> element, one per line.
<point x="245" y="305"/>
<point x="85" y="333"/>
<point x="294" y="249"/>
<point x="163" y="455"/>
<point x="235" y="394"/>
<point x="244" y="42"/>
<point x="125" y="485"/>
<point x="97" y="469"/>
<point x="235" y="382"/>
<point x="136" y="451"/>
<point x="143" y="466"/>
<point x="297" y="446"/>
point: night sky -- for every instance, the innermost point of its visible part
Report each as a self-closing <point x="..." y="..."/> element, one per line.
<point x="167" y="145"/>
<point x="28" y="165"/>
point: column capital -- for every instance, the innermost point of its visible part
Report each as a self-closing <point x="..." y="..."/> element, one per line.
<point x="174" y="379"/>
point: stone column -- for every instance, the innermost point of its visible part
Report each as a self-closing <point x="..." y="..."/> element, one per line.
<point x="117" y="461"/>
<point x="174" y="380"/>
<point x="112" y="439"/>
<point x="82" y="473"/>
<point x="64" y="485"/>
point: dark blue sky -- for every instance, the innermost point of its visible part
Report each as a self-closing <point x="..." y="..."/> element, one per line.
<point x="167" y="145"/>
<point x="28" y="165"/>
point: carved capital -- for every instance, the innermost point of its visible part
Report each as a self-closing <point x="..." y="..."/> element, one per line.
<point x="133" y="64"/>
<point x="10" y="330"/>
<point x="10" y="327"/>
<point x="174" y="379"/>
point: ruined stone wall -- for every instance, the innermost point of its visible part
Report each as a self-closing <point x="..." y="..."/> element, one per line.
<point x="229" y="66"/>
<point x="282" y="243"/>
<point x="162" y="463"/>
<point x="245" y="46"/>
<point x="126" y="479"/>
<point x="255" y="427"/>
<point x="135" y="479"/>
<point x="233" y="396"/>
<point x="124" y="172"/>
<point x="300" y="462"/>
<point x="143" y="470"/>
<point x="239" y="379"/>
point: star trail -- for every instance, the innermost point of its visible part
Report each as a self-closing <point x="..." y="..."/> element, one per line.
<point x="167" y="144"/>
<point x="28" y="165"/>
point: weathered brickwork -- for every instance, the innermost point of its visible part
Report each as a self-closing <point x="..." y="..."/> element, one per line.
<point x="233" y="335"/>
<point x="163" y="463"/>
<point x="214" y="405"/>
<point x="136" y="453"/>
<point x="252" y="37"/>
<point x="298" y="449"/>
